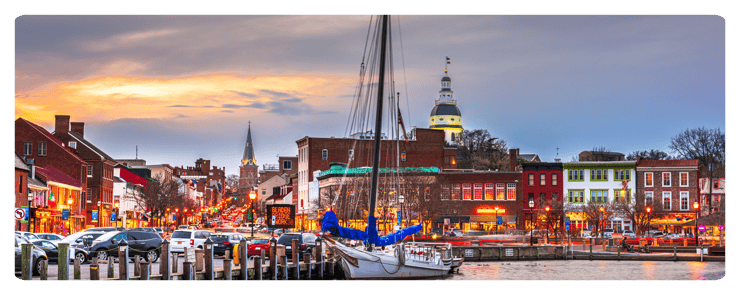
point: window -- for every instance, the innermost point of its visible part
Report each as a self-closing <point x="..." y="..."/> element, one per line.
<point x="554" y="198"/>
<point x="648" y="198"/>
<point x="649" y="179"/>
<point x="622" y="196"/>
<point x="73" y="144"/>
<point x="489" y="191"/>
<point x="324" y="154"/>
<point x="287" y="165"/>
<point x="478" y="191"/>
<point x="575" y="175"/>
<point x="666" y="179"/>
<point x="264" y="192"/>
<point x="403" y="156"/>
<point x="511" y="191"/>
<point x="543" y="179"/>
<point x="554" y="177"/>
<point x="543" y="201"/>
<point x="530" y="178"/>
<point x="622" y="174"/>
<point x="500" y="191"/>
<point x="445" y="192"/>
<point x="684" y="201"/>
<point x="89" y="195"/>
<point x="683" y="179"/>
<point x="599" y="174"/>
<point x="42" y="149"/>
<point x="456" y="191"/>
<point x="351" y="155"/>
<point x="20" y="183"/>
<point x="667" y="201"/>
<point x="599" y="196"/>
<point x="715" y="183"/>
<point x="27" y="148"/>
<point x="426" y="194"/>
<point x="89" y="171"/>
<point x="466" y="191"/>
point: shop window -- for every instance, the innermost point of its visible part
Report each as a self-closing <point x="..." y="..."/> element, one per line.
<point x="511" y="191"/>
<point x="500" y="192"/>
<point x="478" y="193"/>
<point x="466" y="191"/>
<point x="489" y="191"/>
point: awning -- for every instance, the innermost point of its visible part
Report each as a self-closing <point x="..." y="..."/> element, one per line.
<point x="482" y="218"/>
<point x="454" y="219"/>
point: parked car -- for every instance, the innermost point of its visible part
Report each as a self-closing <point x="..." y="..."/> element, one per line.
<point x="608" y="233"/>
<point x="77" y="240"/>
<point x="256" y="246"/>
<point x="671" y="236"/>
<point x="145" y="244"/>
<point x="306" y="242"/>
<point x="475" y="233"/>
<point x="28" y="235"/>
<point x="456" y="232"/>
<point x="654" y="233"/>
<point x="50" y="237"/>
<point x="105" y="229"/>
<point x="187" y="238"/>
<point x="37" y="255"/>
<point x="52" y="251"/>
<point x="629" y="234"/>
<point x="224" y="242"/>
<point x="147" y="229"/>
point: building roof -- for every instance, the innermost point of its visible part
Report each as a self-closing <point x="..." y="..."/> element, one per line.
<point x="56" y="175"/>
<point x="605" y="153"/>
<point x="20" y="163"/>
<point x="600" y="163"/>
<point x="667" y="163"/>
<point x="529" y="157"/>
<point x="91" y="146"/>
<point x="445" y="110"/>
<point x="36" y="182"/>
<point x="52" y="138"/>
<point x="248" y="157"/>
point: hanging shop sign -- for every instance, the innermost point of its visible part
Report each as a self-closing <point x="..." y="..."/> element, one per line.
<point x="65" y="214"/>
<point x="94" y="216"/>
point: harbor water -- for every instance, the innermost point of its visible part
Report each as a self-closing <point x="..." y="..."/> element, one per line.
<point x="590" y="270"/>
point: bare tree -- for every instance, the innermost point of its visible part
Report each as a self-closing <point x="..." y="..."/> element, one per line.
<point x="649" y="155"/>
<point x="478" y="150"/>
<point x="706" y="145"/>
<point x="638" y="214"/>
<point x="232" y="181"/>
<point x="159" y="193"/>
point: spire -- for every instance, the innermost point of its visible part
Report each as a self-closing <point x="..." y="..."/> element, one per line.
<point x="248" y="158"/>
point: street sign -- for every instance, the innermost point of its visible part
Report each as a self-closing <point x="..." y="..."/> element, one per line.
<point x="567" y="226"/>
<point x="282" y="215"/>
<point x="701" y="227"/>
<point x="113" y="216"/>
<point x="94" y="216"/>
<point x="174" y="216"/>
<point x="567" y="219"/>
<point x="20" y="214"/>
<point x="65" y="214"/>
<point x="500" y="220"/>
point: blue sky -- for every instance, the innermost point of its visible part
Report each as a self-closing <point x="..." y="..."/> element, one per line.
<point x="185" y="87"/>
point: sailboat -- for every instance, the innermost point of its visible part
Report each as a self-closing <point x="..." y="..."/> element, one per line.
<point x="388" y="256"/>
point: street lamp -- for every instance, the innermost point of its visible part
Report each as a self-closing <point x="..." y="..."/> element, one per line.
<point x="601" y="221"/>
<point x="252" y="196"/>
<point x="531" y="222"/>
<point x="496" y="221"/>
<point x="117" y="204"/>
<point x="696" y="222"/>
<point x="648" y="209"/>
<point x="400" y="200"/>
<point x="547" y="224"/>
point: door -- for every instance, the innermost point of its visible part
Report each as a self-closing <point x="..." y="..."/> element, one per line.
<point x="113" y="247"/>
<point x="136" y="244"/>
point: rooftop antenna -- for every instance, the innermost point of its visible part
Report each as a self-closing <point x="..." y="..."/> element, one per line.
<point x="448" y="62"/>
<point x="137" y="152"/>
<point x="557" y="152"/>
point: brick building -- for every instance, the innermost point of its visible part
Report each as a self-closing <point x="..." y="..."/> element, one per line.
<point x="36" y="144"/>
<point x="99" y="168"/>
<point x="210" y="181"/>
<point x="671" y="186"/>
<point x="64" y="195"/>
<point x="600" y="156"/>
<point x="543" y="183"/>
<point x="285" y="165"/>
<point x="21" y="189"/>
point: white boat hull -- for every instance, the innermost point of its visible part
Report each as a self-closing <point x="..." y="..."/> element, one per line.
<point x="380" y="265"/>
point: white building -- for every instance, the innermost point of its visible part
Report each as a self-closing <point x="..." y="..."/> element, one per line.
<point x="592" y="181"/>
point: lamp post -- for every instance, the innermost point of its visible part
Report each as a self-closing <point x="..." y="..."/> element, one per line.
<point x="547" y="224"/>
<point x="601" y="221"/>
<point x="118" y="214"/>
<point x="400" y="200"/>
<point x="696" y="222"/>
<point x="252" y="196"/>
<point x="177" y="218"/>
<point x="496" y="221"/>
<point x="648" y="209"/>
<point x="531" y="222"/>
<point x="167" y="218"/>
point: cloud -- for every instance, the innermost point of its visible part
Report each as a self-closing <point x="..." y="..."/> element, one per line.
<point x="255" y="105"/>
<point x="227" y="111"/>
<point x="132" y="39"/>
<point x="244" y="94"/>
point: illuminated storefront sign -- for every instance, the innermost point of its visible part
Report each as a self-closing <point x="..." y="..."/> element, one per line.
<point x="490" y="211"/>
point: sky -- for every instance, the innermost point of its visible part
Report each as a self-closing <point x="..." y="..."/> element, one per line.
<point x="186" y="87"/>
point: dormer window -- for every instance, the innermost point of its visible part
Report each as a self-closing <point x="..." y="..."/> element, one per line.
<point x="73" y="144"/>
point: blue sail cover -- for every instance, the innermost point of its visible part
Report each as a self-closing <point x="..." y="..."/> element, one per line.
<point x="369" y="236"/>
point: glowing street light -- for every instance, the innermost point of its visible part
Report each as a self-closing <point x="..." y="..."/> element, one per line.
<point x="648" y="209"/>
<point x="601" y="221"/>
<point x="696" y="223"/>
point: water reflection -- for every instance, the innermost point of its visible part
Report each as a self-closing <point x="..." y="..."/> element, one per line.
<point x="590" y="270"/>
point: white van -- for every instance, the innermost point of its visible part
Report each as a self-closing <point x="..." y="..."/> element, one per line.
<point x="188" y="238"/>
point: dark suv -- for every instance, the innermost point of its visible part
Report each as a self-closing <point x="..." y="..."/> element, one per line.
<point x="224" y="242"/>
<point x="306" y="243"/>
<point x="36" y="254"/>
<point x="145" y="244"/>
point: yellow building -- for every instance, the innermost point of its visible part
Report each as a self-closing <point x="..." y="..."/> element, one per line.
<point x="445" y="114"/>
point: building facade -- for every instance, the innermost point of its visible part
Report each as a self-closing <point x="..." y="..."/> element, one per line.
<point x="446" y="115"/>
<point x="670" y="187"/>
<point x="210" y="181"/>
<point x="543" y="183"/>
<point x="718" y="195"/>
<point x="22" y="173"/>
<point x="62" y="211"/>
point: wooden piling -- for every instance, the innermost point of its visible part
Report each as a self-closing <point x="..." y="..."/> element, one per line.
<point x="320" y="257"/>
<point x="199" y="260"/>
<point x="273" y="258"/>
<point x="144" y="272"/>
<point x="590" y="251"/>
<point x="295" y="253"/>
<point x="137" y="265"/>
<point x="227" y="255"/>
<point x="675" y="257"/>
<point x="164" y="261"/>
<point x="44" y="275"/>
<point x="244" y="260"/>
<point x="258" y="267"/>
<point x="307" y="261"/>
<point x="208" y="249"/>
<point x="94" y="259"/>
<point x="94" y="272"/>
<point x="123" y="260"/>
<point x="111" y="271"/>
<point x="227" y="269"/>
<point x="27" y="261"/>
<point x="175" y="257"/>
<point x="284" y="265"/>
<point x="63" y="262"/>
<point x="77" y="272"/>
<point x="187" y="270"/>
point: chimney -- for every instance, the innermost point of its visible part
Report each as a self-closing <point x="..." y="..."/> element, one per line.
<point x="61" y="126"/>
<point x="513" y="155"/>
<point x="79" y="128"/>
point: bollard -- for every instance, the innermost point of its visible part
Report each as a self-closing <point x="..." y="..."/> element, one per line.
<point x="701" y="253"/>
<point x="320" y="256"/>
<point x="590" y="251"/>
<point x="187" y="271"/>
<point x="273" y="258"/>
<point x="63" y="262"/>
<point x="227" y="255"/>
<point x="199" y="258"/>
<point x="295" y="257"/>
<point x="227" y="269"/>
<point x="123" y="260"/>
<point x="44" y="275"/>
<point x="77" y="272"/>
<point x="94" y="259"/>
<point x="258" y="267"/>
<point x="284" y="265"/>
<point x="619" y="250"/>
<point x="137" y="266"/>
<point x="208" y="249"/>
<point x="94" y="272"/>
<point x="144" y="272"/>
<point x="26" y="261"/>
<point x="685" y="242"/>
<point x="110" y="267"/>
<point x="675" y="258"/>
<point x="307" y="261"/>
<point x="164" y="260"/>
<point x="175" y="257"/>
<point x="243" y="259"/>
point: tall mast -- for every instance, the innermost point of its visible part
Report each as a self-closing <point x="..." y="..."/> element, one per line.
<point x="378" y="124"/>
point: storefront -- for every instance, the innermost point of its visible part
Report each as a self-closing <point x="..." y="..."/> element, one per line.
<point x="674" y="223"/>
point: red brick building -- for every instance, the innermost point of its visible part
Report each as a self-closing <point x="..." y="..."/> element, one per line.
<point x="21" y="189"/>
<point x="210" y="181"/>
<point x="674" y="185"/>
<point x="99" y="172"/>
<point x="64" y="195"/>
<point x="35" y="143"/>
<point x="543" y="183"/>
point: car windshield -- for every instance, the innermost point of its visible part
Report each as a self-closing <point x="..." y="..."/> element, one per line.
<point x="73" y="237"/>
<point x="106" y="236"/>
<point x="179" y="234"/>
<point x="219" y="238"/>
<point x="288" y="238"/>
<point x="474" y="233"/>
<point x="259" y="241"/>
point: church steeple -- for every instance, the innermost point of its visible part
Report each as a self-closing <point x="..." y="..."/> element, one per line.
<point x="248" y="158"/>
